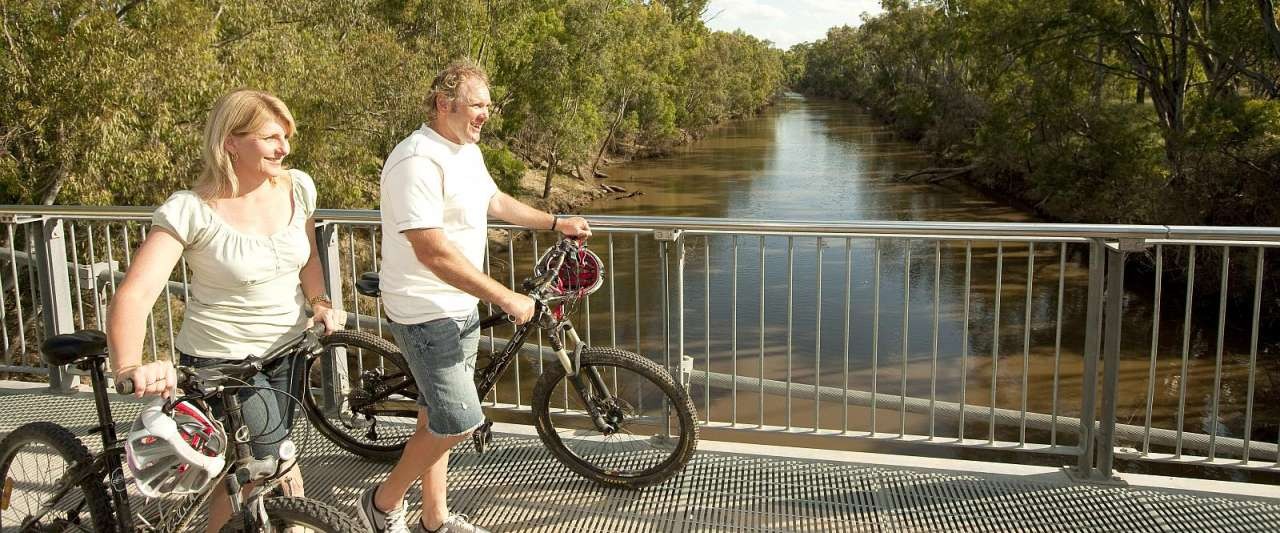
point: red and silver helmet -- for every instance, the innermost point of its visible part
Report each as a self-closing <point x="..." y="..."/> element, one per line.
<point x="174" y="453"/>
<point x="582" y="273"/>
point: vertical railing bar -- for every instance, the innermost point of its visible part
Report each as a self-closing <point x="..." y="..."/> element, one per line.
<point x="791" y="254"/>
<point x="373" y="256"/>
<point x="875" y="337"/>
<point x="351" y="261"/>
<point x="75" y="263"/>
<point x="906" y="316"/>
<point x="848" y="305"/>
<point x="613" y="303"/>
<point x="1155" y="347"/>
<point x="488" y="306"/>
<point x="995" y="341"/>
<point x="1217" y="364"/>
<point x="635" y="284"/>
<point x="34" y="283"/>
<point x="534" y="238"/>
<point x="511" y="278"/>
<point x="111" y="256"/>
<point x="17" y="296"/>
<point x="1057" y="345"/>
<point x="613" y="307"/>
<point x="1085" y="464"/>
<point x="355" y="296"/>
<point x="933" y="365"/>
<point x="1253" y="353"/>
<point x="817" y="347"/>
<point x="1026" y="342"/>
<point x="733" y="330"/>
<point x="1186" y="349"/>
<point x="93" y="285"/>
<point x="4" y="322"/>
<point x="763" y="280"/>
<point x="706" y="325"/>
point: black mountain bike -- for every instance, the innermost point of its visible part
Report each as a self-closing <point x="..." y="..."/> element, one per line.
<point x="612" y="416"/>
<point x="53" y="483"/>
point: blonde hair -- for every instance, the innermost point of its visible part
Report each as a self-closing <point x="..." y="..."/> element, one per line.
<point x="449" y="80"/>
<point x="239" y="112"/>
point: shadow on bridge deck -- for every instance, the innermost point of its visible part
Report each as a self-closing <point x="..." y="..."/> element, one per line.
<point x="518" y="486"/>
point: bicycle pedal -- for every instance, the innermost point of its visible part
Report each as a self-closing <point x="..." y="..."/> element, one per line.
<point x="482" y="437"/>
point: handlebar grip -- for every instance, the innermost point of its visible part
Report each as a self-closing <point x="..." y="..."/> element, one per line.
<point x="124" y="386"/>
<point x="494" y="320"/>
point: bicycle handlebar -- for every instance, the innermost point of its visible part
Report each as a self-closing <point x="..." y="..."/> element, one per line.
<point x="125" y="386"/>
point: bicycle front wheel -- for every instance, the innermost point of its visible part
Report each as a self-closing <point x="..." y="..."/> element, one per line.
<point x="648" y="430"/>
<point x="377" y="408"/>
<point x="33" y="461"/>
<point x="298" y="515"/>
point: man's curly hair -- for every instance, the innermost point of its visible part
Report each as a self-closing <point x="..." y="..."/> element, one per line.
<point x="450" y="79"/>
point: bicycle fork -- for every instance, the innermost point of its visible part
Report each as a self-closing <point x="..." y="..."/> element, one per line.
<point x="583" y="385"/>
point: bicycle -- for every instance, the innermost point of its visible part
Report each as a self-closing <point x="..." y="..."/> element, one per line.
<point x="95" y="485"/>
<point x="623" y="421"/>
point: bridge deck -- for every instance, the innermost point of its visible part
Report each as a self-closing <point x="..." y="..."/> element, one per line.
<point x="518" y="486"/>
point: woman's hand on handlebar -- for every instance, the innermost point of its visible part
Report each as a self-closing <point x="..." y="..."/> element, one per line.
<point x="152" y="379"/>
<point x="575" y="227"/>
<point x="324" y="313"/>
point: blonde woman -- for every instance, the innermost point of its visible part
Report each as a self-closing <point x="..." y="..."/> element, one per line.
<point x="245" y="230"/>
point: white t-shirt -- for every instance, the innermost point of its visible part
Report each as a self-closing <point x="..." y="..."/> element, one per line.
<point x="431" y="182"/>
<point x="245" y="293"/>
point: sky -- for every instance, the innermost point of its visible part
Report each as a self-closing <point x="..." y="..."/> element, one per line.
<point x="786" y="22"/>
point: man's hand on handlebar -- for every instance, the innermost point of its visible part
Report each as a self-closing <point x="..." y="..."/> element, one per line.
<point x="519" y="306"/>
<point x="575" y="227"/>
<point x="152" y="379"/>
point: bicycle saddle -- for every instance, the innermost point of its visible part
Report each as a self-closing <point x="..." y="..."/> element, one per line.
<point x="368" y="284"/>
<point x="70" y="348"/>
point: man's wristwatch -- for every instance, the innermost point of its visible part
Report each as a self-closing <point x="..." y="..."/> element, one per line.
<point x="312" y="301"/>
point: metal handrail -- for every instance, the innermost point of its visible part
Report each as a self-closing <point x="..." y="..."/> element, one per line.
<point x="1012" y="230"/>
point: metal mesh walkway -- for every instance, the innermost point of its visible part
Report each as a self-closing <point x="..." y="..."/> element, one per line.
<point x="518" y="486"/>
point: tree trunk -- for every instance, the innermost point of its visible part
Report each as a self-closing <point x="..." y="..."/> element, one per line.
<point x="622" y="109"/>
<point x="551" y="170"/>
<point x="1266" y="8"/>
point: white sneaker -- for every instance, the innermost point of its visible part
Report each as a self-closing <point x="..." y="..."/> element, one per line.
<point x="455" y="523"/>
<point x="378" y="521"/>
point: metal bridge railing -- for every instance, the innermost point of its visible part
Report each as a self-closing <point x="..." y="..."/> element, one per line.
<point x="1009" y="338"/>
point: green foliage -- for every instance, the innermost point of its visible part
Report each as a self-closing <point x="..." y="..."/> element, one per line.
<point x="1096" y="110"/>
<point x="505" y="168"/>
<point x="107" y="107"/>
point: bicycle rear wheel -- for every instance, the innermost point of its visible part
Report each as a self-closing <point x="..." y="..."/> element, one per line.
<point x="651" y="424"/>
<point x="299" y="515"/>
<point x="379" y="411"/>
<point x="33" y="460"/>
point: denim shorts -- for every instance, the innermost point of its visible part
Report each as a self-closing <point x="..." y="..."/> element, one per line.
<point x="268" y="415"/>
<point x="443" y="363"/>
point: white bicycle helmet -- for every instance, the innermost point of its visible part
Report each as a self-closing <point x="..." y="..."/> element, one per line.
<point x="175" y="453"/>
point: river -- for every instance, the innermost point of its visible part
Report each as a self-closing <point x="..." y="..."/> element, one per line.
<point x="821" y="160"/>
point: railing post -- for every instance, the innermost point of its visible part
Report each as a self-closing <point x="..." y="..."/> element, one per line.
<point x="55" y="294"/>
<point x="1111" y="355"/>
<point x="665" y="238"/>
<point x="1089" y="378"/>
<point x="333" y="376"/>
